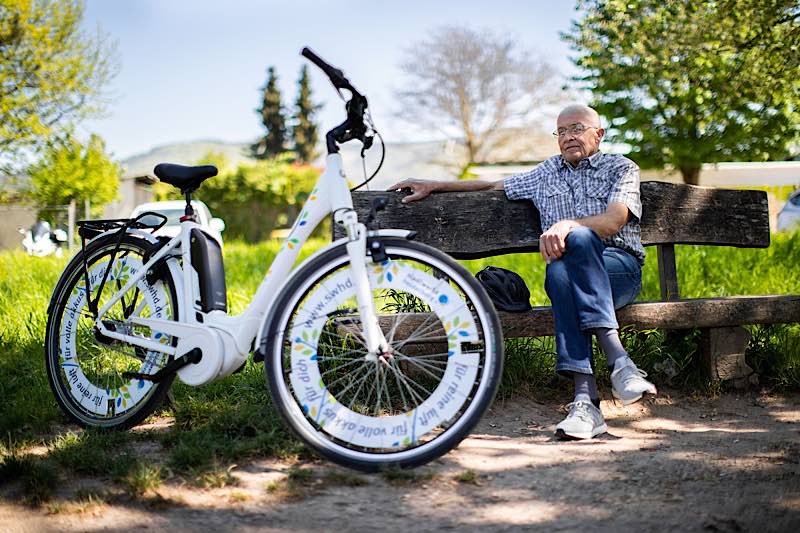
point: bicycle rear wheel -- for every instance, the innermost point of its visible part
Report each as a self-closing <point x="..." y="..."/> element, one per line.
<point x="370" y="412"/>
<point x="85" y="368"/>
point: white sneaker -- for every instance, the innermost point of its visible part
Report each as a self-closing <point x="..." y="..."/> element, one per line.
<point x="628" y="384"/>
<point x="584" y="421"/>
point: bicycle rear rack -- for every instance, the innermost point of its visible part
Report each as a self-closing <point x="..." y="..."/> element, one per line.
<point x="89" y="229"/>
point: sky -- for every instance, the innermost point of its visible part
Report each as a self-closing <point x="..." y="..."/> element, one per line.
<point x="193" y="69"/>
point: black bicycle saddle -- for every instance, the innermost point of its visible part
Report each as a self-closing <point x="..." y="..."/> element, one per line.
<point x="187" y="179"/>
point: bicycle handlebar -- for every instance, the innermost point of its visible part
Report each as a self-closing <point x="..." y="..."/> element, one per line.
<point x="334" y="74"/>
<point x="353" y="127"/>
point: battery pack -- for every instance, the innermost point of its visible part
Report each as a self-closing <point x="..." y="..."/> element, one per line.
<point x="207" y="262"/>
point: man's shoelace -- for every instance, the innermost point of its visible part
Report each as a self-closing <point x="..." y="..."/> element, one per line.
<point x="580" y="410"/>
<point x="630" y="373"/>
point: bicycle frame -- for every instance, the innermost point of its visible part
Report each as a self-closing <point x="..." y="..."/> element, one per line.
<point x="225" y="340"/>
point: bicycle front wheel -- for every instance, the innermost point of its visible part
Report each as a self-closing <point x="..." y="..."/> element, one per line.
<point x="368" y="411"/>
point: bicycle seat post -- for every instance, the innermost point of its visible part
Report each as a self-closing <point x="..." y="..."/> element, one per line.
<point x="189" y="211"/>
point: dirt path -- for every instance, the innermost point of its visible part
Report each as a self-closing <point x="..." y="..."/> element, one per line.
<point x="675" y="463"/>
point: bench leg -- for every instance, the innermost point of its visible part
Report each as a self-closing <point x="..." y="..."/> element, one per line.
<point x="722" y="351"/>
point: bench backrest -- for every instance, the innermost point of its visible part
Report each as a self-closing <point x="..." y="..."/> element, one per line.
<point x="472" y="225"/>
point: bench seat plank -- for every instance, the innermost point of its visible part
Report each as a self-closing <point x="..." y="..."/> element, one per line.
<point x="678" y="314"/>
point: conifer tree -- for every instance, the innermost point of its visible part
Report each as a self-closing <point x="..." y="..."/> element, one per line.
<point x="271" y="113"/>
<point x="304" y="130"/>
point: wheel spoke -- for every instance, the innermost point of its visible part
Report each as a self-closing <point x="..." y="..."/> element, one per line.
<point x="102" y="363"/>
<point x="396" y="383"/>
<point x="414" y="394"/>
<point x="339" y="368"/>
<point x="427" y="366"/>
<point x="423" y="368"/>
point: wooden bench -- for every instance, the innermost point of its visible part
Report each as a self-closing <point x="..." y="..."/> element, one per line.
<point x="483" y="224"/>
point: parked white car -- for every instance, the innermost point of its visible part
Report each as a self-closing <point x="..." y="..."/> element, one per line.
<point x="174" y="210"/>
<point x="789" y="215"/>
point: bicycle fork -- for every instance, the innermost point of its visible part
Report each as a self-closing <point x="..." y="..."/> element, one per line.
<point x="377" y="346"/>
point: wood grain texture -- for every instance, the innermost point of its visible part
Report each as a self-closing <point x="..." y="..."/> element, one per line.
<point x="483" y="224"/>
<point x="668" y="272"/>
<point x="680" y="314"/>
<point x="471" y="225"/>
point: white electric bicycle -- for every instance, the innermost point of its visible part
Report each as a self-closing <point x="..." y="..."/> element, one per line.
<point x="379" y="351"/>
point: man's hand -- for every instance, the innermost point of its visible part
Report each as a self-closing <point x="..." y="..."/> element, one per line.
<point x="553" y="242"/>
<point x="419" y="189"/>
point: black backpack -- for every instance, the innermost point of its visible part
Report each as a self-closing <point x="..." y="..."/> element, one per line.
<point x="506" y="289"/>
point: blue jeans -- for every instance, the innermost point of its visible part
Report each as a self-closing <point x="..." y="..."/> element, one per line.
<point x="586" y="285"/>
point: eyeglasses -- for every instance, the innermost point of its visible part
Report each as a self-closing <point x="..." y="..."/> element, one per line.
<point x="575" y="129"/>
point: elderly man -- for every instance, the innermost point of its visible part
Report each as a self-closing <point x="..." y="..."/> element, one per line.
<point x="590" y="208"/>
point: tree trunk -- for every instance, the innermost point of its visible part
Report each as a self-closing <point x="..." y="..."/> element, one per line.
<point x="691" y="175"/>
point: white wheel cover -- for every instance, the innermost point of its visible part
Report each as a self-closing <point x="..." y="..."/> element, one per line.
<point x="92" y="397"/>
<point x="397" y="431"/>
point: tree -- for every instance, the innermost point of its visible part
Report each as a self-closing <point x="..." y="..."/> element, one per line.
<point x="69" y="170"/>
<point x="304" y="130"/>
<point x="687" y="82"/>
<point x="51" y="74"/>
<point x="473" y="84"/>
<point x="271" y="112"/>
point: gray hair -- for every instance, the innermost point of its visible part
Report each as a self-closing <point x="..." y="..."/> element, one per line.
<point x="580" y="109"/>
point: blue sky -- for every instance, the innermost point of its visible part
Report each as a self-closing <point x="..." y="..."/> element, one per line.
<point x="192" y="70"/>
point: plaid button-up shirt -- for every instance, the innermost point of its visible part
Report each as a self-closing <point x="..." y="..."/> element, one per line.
<point x="561" y="192"/>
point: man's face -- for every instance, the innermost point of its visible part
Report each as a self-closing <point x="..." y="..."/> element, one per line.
<point x="576" y="146"/>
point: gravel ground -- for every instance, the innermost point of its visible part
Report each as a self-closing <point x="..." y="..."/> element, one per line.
<point x="673" y="463"/>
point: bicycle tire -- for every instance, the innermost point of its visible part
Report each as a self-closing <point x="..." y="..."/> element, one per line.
<point x="83" y="368"/>
<point x="447" y="344"/>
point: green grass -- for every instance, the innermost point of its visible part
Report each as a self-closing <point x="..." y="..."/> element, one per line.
<point x="94" y="452"/>
<point x="224" y="421"/>
<point x="467" y="477"/>
<point x="221" y="423"/>
<point x="26" y="284"/>
<point x="404" y="477"/>
<point x="142" y="479"/>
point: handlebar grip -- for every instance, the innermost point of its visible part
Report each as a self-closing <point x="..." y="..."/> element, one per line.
<point x="309" y="54"/>
<point x="336" y="76"/>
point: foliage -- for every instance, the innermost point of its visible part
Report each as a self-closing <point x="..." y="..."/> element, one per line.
<point x="687" y="82"/>
<point x="69" y="170"/>
<point x="304" y="130"/>
<point x="272" y="117"/>
<point x="253" y="198"/>
<point x="52" y="73"/>
<point x="471" y="84"/>
<point x="257" y="197"/>
<point x="773" y="346"/>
